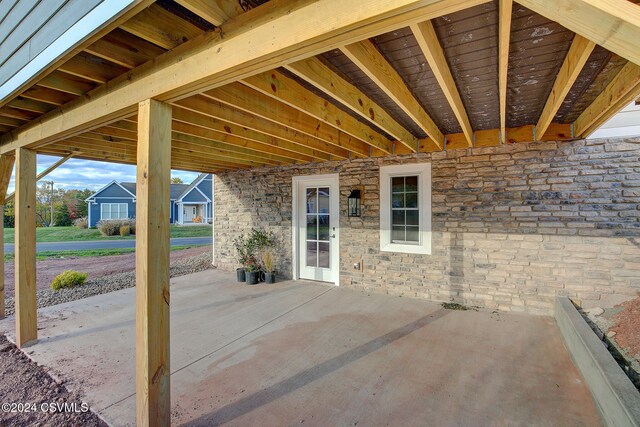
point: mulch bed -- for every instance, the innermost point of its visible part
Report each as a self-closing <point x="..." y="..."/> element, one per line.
<point x="31" y="397"/>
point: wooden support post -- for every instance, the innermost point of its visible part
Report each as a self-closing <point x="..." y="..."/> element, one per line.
<point x="6" y="167"/>
<point x="25" y="247"/>
<point x="153" y="401"/>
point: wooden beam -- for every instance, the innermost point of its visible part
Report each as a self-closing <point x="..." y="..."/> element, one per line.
<point x="218" y="110"/>
<point x="316" y="73"/>
<point x="153" y="399"/>
<point x="577" y="56"/>
<point x="44" y="173"/>
<point x="246" y="99"/>
<point x="214" y="11"/>
<point x="6" y="168"/>
<point x="131" y="10"/>
<point x="365" y="55"/>
<point x="277" y="86"/>
<point x="159" y="26"/>
<point x="504" y="38"/>
<point x="249" y="46"/>
<point x="622" y="90"/>
<point x="25" y="248"/>
<point x="612" y="24"/>
<point x="425" y="34"/>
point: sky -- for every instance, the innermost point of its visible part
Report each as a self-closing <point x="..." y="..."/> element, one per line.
<point x="81" y="174"/>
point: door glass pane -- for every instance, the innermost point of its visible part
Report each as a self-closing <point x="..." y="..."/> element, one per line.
<point x="312" y="227"/>
<point x="323" y="200"/>
<point x="323" y="254"/>
<point x="323" y="227"/>
<point x="312" y="200"/>
<point x="312" y="254"/>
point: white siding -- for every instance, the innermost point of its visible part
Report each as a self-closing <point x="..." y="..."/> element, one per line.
<point x="625" y="123"/>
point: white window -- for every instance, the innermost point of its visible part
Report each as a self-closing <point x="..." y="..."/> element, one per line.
<point x="114" y="211"/>
<point x="405" y="208"/>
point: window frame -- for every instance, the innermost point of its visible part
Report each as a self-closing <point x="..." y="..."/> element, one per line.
<point x="102" y="210"/>
<point x="423" y="172"/>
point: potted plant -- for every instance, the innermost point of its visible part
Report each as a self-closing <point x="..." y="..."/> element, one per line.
<point x="252" y="271"/>
<point x="267" y="263"/>
<point x="242" y="246"/>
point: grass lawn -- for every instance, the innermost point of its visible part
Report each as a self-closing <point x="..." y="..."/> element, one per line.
<point x="91" y="252"/>
<point x="71" y="234"/>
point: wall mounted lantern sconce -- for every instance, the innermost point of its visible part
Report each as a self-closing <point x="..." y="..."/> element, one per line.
<point x="354" y="203"/>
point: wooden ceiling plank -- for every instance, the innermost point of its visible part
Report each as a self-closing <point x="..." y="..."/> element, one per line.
<point x="575" y="60"/>
<point x="92" y="68"/>
<point x="504" y="37"/>
<point x="161" y="27"/>
<point x="365" y="55"/>
<point x="243" y="98"/>
<point x="222" y="112"/>
<point x="622" y="90"/>
<point x="425" y="34"/>
<point x="66" y="83"/>
<point x="49" y="96"/>
<point x="316" y="73"/>
<point x="30" y="105"/>
<point x="124" y="49"/>
<point x="612" y="24"/>
<point x="276" y="85"/>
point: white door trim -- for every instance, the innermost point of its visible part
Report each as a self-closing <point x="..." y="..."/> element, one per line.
<point x="295" y="222"/>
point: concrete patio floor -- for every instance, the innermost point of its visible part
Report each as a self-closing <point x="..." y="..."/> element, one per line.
<point x="302" y="352"/>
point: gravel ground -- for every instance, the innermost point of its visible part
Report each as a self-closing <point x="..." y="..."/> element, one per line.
<point x="618" y="328"/>
<point x="24" y="382"/>
<point x="115" y="282"/>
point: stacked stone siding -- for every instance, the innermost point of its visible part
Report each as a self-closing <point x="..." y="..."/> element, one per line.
<point x="513" y="225"/>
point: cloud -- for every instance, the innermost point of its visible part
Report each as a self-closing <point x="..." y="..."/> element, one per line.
<point x="81" y="174"/>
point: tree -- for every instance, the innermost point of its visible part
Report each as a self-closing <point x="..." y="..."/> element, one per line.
<point x="61" y="216"/>
<point x="9" y="215"/>
<point x="176" y="180"/>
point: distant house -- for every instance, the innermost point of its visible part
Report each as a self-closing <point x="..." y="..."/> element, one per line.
<point x="190" y="203"/>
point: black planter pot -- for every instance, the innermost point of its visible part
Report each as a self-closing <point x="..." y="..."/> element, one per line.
<point x="270" y="277"/>
<point x="240" y="274"/>
<point x="252" y="277"/>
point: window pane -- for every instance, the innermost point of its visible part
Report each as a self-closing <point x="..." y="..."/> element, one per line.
<point x="323" y="254"/>
<point x="312" y="254"/>
<point x="323" y="227"/>
<point x="397" y="184"/>
<point x="323" y="200"/>
<point x="312" y="202"/>
<point x="397" y="200"/>
<point x="412" y="200"/>
<point x="312" y="227"/>
<point x="413" y="234"/>
<point x="411" y="184"/>
<point x="397" y="233"/>
<point x="413" y="217"/>
<point x="397" y="217"/>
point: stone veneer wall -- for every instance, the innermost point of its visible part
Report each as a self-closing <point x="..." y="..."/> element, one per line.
<point x="513" y="225"/>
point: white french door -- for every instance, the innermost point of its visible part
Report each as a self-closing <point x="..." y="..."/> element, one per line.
<point x="316" y="227"/>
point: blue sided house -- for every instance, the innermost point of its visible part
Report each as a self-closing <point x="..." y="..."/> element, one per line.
<point x="190" y="203"/>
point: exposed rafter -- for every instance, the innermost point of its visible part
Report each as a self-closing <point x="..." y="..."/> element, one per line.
<point x="504" y="38"/>
<point x="365" y="55"/>
<point x="573" y="63"/>
<point x="282" y="88"/>
<point x="622" y="90"/>
<point x="214" y="11"/>
<point x="314" y="72"/>
<point x="428" y="41"/>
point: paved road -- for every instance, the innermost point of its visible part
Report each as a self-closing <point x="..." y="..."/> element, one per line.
<point x="106" y="244"/>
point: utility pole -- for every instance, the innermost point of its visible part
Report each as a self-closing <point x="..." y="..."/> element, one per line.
<point x="50" y="200"/>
